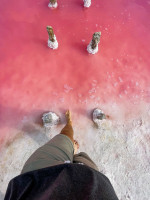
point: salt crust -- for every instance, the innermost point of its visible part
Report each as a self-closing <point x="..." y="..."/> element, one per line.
<point x="90" y="50"/>
<point x="53" y="45"/>
<point x="50" y="5"/>
<point x="120" y="150"/>
<point x="87" y="3"/>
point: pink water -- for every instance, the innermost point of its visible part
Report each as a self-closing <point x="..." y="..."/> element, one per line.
<point x="34" y="78"/>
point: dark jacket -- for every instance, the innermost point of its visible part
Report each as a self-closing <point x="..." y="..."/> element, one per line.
<point x="65" y="182"/>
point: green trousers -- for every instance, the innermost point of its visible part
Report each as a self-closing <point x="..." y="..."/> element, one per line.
<point x="58" y="150"/>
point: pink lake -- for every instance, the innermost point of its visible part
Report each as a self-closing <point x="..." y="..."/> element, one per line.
<point x="35" y="79"/>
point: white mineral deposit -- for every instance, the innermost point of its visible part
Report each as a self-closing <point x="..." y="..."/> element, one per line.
<point x="87" y="3"/>
<point x="53" y="45"/>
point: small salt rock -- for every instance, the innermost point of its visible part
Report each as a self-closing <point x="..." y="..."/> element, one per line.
<point x="92" y="48"/>
<point x="87" y="3"/>
<point x="98" y="116"/>
<point x="53" y="4"/>
<point x="52" y="41"/>
<point x="50" y="119"/>
<point x="53" y="45"/>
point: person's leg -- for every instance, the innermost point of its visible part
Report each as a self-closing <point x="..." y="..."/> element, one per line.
<point x="85" y="159"/>
<point x="57" y="151"/>
<point x="68" y="129"/>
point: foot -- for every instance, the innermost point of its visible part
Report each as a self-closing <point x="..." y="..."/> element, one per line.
<point x="76" y="146"/>
<point x="68" y="116"/>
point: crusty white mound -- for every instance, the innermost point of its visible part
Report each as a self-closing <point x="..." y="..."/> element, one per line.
<point x="50" y="5"/>
<point x="53" y="45"/>
<point x="98" y="116"/>
<point x="50" y="119"/>
<point x="87" y="3"/>
<point x="90" y="50"/>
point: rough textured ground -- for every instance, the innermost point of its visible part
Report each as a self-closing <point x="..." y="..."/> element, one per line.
<point x="121" y="149"/>
<point x="35" y="79"/>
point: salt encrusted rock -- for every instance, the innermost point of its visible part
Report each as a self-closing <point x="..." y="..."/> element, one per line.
<point x="50" y="119"/>
<point x="53" y="4"/>
<point x="52" y="41"/>
<point x="90" y="50"/>
<point x="53" y="45"/>
<point x="93" y="46"/>
<point x="87" y="3"/>
<point x="98" y="116"/>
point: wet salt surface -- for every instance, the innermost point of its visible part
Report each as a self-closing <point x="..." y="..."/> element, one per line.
<point x="120" y="148"/>
<point x="34" y="76"/>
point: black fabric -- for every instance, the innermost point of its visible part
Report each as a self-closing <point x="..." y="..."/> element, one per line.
<point x="61" y="182"/>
